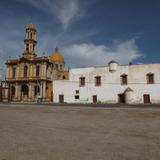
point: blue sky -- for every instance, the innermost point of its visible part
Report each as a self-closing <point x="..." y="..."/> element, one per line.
<point x="87" y="32"/>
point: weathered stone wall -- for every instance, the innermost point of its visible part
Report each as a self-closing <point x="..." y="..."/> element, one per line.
<point x="110" y="86"/>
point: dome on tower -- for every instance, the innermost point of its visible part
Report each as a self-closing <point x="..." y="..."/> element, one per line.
<point x="57" y="56"/>
<point x="31" y="25"/>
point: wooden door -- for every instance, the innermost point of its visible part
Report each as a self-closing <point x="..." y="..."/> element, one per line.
<point x="146" y="98"/>
<point x="94" y="99"/>
<point x="121" y="98"/>
<point x="61" y="98"/>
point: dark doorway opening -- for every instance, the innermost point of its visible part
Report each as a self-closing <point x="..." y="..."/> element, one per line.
<point x="13" y="92"/>
<point x="61" y="98"/>
<point x="146" y="98"/>
<point x="94" y="99"/>
<point x="37" y="91"/>
<point x="24" y="91"/>
<point x="121" y="98"/>
<point x="52" y="96"/>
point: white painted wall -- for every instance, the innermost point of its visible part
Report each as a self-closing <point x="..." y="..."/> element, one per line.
<point x="110" y="84"/>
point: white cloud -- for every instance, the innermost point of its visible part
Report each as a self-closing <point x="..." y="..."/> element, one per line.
<point x="99" y="55"/>
<point x="64" y="10"/>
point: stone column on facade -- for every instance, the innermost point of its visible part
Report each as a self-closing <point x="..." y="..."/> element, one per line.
<point x="19" y="92"/>
<point x="7" y="72"/>
<point x="44" y="89"/>
<point x="30" y="91"/>
<point x="6" y="94"/>
<point x="41" y="89"/>
<point x="33" y="92"/>
<point x="30" y="71"/>
<point x="10" y="76"/>
<point x="44" y="70"/>
<point x="17" y="72"/>
<point x="33" y="70"/>
<point x="16" y="91"/>
<point x="41" y="70"/>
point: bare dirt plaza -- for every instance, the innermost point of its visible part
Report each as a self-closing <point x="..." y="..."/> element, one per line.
<point x="79" y="133"/>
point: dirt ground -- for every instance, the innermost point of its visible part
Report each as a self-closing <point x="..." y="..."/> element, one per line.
<point x="79" y="133"/>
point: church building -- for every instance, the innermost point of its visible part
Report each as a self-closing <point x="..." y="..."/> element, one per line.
<point x="30" y="75"/>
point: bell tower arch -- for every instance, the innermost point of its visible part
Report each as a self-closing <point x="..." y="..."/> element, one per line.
<point x="30" y="41"/>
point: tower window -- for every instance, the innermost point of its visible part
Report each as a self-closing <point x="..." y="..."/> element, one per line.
<point x="82" y="81"/>
<point x="97" y="80"/>
<point x="60" y="66"/>
<point x="14" y="72"/>
<point x="25" y="70"/>
<point x="31" y="35"/>
<point x="37" y="70"/>
<point x="124" y="80"/>
<point x="33" y="47"/>
<point x="56" y="66"/>
<point x="150" y="78"/>
<point x="27" y="47"/>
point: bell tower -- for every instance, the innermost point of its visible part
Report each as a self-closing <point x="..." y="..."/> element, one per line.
<point x="30" y="41"/>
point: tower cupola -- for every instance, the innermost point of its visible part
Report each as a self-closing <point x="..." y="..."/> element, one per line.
<point x="30" y="41"/>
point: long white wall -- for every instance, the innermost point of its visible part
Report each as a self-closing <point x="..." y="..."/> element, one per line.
<point x="110" y="84"/>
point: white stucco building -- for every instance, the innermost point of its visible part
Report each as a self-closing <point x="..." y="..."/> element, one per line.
<point x="114" y="83"/>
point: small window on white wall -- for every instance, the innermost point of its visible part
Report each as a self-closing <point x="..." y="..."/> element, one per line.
<point x="82" y="81"/>
<point x="124" y="79"/>
<point x="150" y="78"/>
<point x="76" y="97"/>
<point x="98" y="81"/>
<point x="77" y="91"/>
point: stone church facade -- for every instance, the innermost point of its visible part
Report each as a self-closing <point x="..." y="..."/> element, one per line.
<point x="30" y="75"/>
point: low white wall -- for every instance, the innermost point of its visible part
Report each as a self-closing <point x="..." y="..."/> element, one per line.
<point x="105" y="94"/>
<point x="110" y="85"/>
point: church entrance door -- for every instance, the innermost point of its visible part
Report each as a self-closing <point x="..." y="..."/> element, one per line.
<point x="24" y="92"/>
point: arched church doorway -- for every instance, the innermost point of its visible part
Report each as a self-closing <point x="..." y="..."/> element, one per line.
<point x="24" y="91"/>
